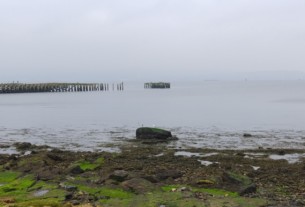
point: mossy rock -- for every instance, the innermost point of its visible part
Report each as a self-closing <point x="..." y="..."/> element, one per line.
<point x="239" y="183"/>
<point x="152" y="133"/>
<point x="84" y="165"/>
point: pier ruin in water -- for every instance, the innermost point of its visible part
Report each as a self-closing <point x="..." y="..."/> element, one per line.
<point x="157" y="85"/>
<point x="57" y="87"/>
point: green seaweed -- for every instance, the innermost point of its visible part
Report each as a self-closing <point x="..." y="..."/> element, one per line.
<point x="105" y="191"/>
<point x="8" y="176"/>
<point x="19" y="184"/>
<point x="240" y="178"/>
<point x="49" y="202"/>
<point x="168" y="188"/>
<point x="18" y="188"/>
<point x="87" y="165"/>
<point x="216" y="192"/>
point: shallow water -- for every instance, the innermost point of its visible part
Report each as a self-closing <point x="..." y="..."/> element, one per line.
<point x="40" y="193"/>
<point x="291" y="158"/>
<point x="209" y="114"/>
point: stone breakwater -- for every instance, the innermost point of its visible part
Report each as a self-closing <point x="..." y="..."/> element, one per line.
<point x="58" y="87"/>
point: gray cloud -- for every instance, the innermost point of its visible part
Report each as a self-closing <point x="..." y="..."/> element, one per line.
<point x="65" y="40"/>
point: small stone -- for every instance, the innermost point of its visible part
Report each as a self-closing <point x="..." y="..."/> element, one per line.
<point x="138" y="185"/>
<point x="23" y="145"/>
<point x="75" y="202"/>
<point x="183" y="189"/>
<point x="247" y="135"/>
<point x="7" y="200"/>
<point x="248" y="190"/>
<point x="299" y="202"/>
<point x="70" y="188"/>
<point x="205" y="182"/>
<point x="104" y="197"/>
<point x="119" y="175"/>
<point x="54" y="157"/>
<point x="68" y="196"/>
<point x="165" y="174"/>
<point x="77" y="170"/>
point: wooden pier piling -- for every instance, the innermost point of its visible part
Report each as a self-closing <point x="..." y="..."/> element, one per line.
<point x="56" y="87"/>
<point x="157" y="85"/>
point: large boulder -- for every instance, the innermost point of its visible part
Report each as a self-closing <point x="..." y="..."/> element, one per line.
<point x="152" y="133"/>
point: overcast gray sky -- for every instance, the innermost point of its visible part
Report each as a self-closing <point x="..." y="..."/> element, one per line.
<point x="98" y="40"/>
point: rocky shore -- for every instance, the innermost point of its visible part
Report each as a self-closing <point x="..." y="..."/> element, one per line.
<point x="152" y="175"/>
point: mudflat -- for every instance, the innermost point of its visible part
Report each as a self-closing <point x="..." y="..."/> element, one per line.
<point x="152" y="175"/>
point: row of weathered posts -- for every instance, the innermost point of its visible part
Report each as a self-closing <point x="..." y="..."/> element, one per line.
<point x="58" y="87"/>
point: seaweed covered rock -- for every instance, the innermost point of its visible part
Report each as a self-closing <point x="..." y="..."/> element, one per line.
<point x="138" y="185"/>
<point x="152" y="133"/>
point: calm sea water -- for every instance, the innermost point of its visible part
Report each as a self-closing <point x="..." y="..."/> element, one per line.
<point x="202" y="114"/>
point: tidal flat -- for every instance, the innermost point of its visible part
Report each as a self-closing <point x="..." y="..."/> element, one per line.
<point x="152" y="175"/>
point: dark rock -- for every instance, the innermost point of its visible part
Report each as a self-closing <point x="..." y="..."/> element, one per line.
<point x="71" y="188"/>
<point x="47" y="174"/>
<point x="233" y="178"/>
<point x="138" y="185"/>
<point x="23" y="145"/>
<point x="68" y="196"/>
<point x="241" y="154"/>
<point x="299" y="202"/>
<point x="57" y="151"/>
<point x="152" y="133"/>
<point x="77" y="170"/>
<point x="119" y="175"/>
<point x="13" y="157"/>
<point x="248" y="190"/>
<point x="247" y="135"/>
<point x="104" y="197"/>
<point x="75" y="202"/>
<point x="237" y="183"/>
<point x="151" y="178"/>
<point x="54" y="157"/>
<point x="165" y="174"/>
